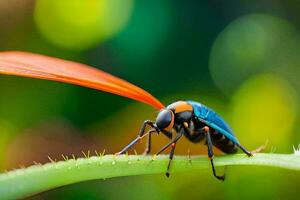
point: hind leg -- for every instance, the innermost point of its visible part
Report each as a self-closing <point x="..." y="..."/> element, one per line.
<point x="245" y="150"/>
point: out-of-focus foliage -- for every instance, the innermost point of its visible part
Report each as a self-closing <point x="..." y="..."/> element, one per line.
<point x="253" y="44"/>
<point x="239" y="57"/>
<point x="80" y="24"/>
<point x="144" y="36"/>
<point x="265" y="104"/>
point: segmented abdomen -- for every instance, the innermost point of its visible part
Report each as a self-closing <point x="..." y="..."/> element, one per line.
<point x="223" y="143"/>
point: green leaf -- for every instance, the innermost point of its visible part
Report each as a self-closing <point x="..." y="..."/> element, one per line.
<point x="22" y="183"/>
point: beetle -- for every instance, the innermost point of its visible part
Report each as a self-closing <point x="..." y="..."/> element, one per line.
<point x="192" y="119"/>
<point x="196" y="122"/>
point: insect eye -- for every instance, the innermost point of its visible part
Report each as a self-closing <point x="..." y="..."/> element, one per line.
<point x="164" y="119"/>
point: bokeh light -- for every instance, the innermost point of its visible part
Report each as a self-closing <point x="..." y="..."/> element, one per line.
<point x="80" y="24"/>
<point x="264" y="108"/>
<point x="250" y="45"/>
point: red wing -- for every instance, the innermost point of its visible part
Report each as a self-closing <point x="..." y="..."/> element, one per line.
<point x="55" y="69"/>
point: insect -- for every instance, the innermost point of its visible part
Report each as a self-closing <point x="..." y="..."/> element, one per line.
<point x="191" y="119"/>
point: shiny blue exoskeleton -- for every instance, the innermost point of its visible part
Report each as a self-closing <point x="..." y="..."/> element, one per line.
<point x="212" y="119"/>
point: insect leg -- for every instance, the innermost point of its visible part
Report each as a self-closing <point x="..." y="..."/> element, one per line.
<point x="172" y="143"/>
<point x="178" y="136"/>
<point x="148" y="144"/>
<point x="141" y="133"/>
<point x="210" y="152"/>
<point x="244" y="150"/>
<point x="170" y="158"/>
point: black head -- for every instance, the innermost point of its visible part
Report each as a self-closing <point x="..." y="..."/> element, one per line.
<point x="165" y="120"/>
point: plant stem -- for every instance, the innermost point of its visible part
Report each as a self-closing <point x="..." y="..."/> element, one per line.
<point x="22" y="183"/>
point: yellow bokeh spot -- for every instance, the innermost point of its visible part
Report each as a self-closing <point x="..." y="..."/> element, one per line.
<point x="81" y="24"/>
<point x="264" y="108"/>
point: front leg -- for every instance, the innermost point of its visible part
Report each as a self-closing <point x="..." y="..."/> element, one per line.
<point x="139" y="137"/>
<point x="148" y="143"/>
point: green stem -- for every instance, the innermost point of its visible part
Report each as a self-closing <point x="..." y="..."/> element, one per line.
<point x="22" y="183"/>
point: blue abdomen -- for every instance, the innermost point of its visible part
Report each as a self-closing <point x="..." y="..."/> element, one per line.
<point x="213" y="120"/>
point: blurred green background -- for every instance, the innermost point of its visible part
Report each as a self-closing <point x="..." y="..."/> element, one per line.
<point x="241" y="58"/>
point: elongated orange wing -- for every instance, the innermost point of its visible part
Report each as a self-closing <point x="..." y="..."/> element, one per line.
<point x="55" y="69"/>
